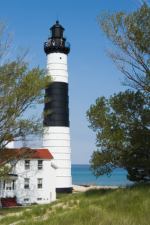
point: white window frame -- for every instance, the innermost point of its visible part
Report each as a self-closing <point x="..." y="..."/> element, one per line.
<point x="27" y="164"/>
<point x="26" y="183"/>
<point x="39" y="183"/>
<point x="8" y="185"/>
<point x="40" y="164"/>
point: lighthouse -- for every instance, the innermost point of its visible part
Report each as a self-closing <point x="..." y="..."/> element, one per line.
<point x="56" y="135"/>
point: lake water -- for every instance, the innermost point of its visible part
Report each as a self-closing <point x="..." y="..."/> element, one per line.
<point x="81" y="174"/>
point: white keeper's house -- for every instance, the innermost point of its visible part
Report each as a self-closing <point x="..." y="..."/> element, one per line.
<point x="31" y="178"/>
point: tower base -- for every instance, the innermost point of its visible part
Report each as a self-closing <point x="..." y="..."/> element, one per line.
<point x="64" y="190"/>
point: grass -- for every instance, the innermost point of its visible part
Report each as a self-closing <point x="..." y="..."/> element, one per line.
<point x="128" y="206"/>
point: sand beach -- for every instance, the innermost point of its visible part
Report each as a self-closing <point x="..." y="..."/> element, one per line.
<point x="83" y="188"/>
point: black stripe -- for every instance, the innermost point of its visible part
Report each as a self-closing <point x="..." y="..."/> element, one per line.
<point x="56" y="111"/>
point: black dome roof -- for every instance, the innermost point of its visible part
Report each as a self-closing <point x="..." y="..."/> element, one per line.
<point x="57" y="25"/>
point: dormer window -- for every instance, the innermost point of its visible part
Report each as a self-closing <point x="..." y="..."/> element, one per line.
<point x="40" y="164"/>
<point x="27" y="164"/>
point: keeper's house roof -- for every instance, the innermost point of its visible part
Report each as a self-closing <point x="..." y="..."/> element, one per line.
<point x="24" y="153"/>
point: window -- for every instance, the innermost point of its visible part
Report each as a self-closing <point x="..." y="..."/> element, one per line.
<point x="26" y="183"/>
<point x="4" y="184"/>
<point x="27" y="164"/>
<point x="40" y="164"/>
<point x="1" y="185"/>
<point x="8" y="185"/>
<point x="26" y="199"/>
<point x="39" y="183"/>
<point x="39" y="199"/>
<point x="13" y="185"/>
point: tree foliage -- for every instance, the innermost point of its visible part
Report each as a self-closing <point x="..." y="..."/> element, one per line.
<point x="20" y="88"/>
<point x="130" y="34"/>
<point x="122" y="126"/>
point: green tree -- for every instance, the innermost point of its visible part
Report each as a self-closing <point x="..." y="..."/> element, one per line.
<point x="122" y="126"/>
<point x="129" y="34"/>
<point x="20" y="88"/>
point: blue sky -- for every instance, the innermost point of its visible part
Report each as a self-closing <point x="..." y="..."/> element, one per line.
<point x="91" y="72"/>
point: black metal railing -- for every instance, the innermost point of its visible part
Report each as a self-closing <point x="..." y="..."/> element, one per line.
<point x="56" y="46"/>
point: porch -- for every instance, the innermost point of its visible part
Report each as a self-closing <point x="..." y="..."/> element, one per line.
<point x="8" y="186"/>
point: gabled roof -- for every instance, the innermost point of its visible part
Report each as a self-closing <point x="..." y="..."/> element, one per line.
<point x="24" y="153"/>
<point x="41" y="154"/>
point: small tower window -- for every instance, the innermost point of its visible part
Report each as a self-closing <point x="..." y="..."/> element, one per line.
<point x="40" y="164"/>
<point x="27" y="164"/>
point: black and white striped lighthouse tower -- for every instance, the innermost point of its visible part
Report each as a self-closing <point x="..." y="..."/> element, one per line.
<point x="56" y="110"/>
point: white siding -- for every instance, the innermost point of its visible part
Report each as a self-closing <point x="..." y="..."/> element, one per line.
<point x="57" y="67"/>
<point x="48" y="174"/>
<point x="57" y="140"/>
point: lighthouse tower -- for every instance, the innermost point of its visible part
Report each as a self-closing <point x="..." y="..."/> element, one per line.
<point x="56" y="110"/>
